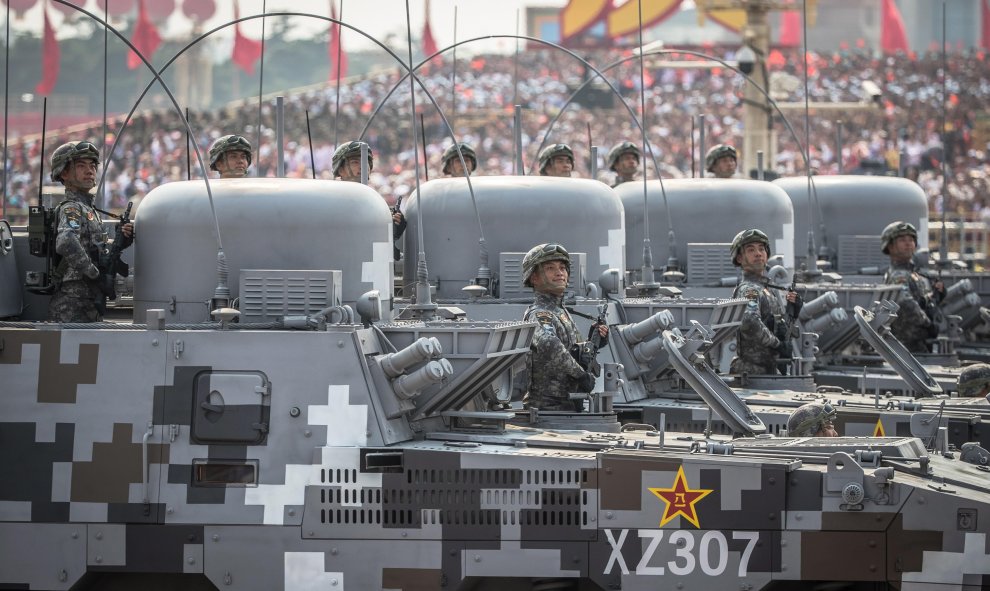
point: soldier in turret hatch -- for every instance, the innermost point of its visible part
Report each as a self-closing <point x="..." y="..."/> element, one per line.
<point x="916" y="325"/>
<point x="451" y="164"/>
<point x="721" y="161"/>
<point x="974" y="381"/>
<point x="81" y="238"/>
<point x="812" y="420"/>
<point x="766" y="328"/>
<point x="553" y="371"/>
<point x="623" y="160"/>
<point x="346" y="165"/>
<point x="556" y="160"/>
<point x="230" y="155"/>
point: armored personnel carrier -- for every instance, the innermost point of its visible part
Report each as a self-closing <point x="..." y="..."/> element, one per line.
<point x="293" y="443"/>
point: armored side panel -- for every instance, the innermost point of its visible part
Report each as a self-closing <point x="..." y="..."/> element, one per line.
<point x="341" y="226"/>
<point x="516" y="213"/>
<point x="704" y="211"/>
<point x="11" y="302"/>
<point x="854" y="210"/>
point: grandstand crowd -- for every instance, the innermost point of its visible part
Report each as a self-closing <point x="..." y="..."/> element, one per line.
<point x="907" y="119"/>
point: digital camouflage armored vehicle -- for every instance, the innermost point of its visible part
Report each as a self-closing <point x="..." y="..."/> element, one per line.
<point x="299" y="445"/>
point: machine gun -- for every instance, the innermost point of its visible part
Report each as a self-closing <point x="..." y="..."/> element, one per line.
<point x="110" y="264"/>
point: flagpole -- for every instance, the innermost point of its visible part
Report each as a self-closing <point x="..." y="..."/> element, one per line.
<point x="337" y="40"/>
<point x="261" y="77"/>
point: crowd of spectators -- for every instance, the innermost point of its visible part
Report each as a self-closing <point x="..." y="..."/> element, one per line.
<point x="906" y="119"/>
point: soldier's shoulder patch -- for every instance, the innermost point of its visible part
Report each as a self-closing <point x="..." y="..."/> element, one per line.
<point x="749" y="291"/>
<point x="545" y="318"/>
<point x="899" y="279"/>
<point x="71" y="210"/>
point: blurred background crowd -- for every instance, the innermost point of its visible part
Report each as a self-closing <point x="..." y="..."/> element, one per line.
<point x="477" y="96"/>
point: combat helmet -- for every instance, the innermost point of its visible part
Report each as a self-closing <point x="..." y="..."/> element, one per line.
<point x="718" y="151"/>
<point x="809" y="418"/>
<point x="543" y="253"/>
<point x="893" y="231"/>
<point x="625" y="147"/>
<point x="70" y="152"/>
<point x="745" y="237"/>
<point x="228" y="143"/>
<point x="450" y="154"/>
<point x="347" y="150"/>
<point x="547" y="154"/>
<point x="973" y="379"/>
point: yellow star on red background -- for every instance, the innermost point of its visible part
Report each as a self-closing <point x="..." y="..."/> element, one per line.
<point x="680" y="499"/>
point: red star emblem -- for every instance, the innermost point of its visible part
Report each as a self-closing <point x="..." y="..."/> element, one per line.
<point x="680" y="499"/>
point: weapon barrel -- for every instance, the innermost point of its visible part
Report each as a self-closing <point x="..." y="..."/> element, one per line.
<point x="395" y="364"/>
<point x="654" y="325"/>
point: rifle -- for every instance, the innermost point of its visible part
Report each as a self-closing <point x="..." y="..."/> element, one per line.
<point x="113" y="266"/>
<point x="586" y="353"/>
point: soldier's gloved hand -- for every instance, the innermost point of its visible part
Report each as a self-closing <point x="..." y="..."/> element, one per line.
<point x="586" y="383"/>
<point x="92" y="272"/>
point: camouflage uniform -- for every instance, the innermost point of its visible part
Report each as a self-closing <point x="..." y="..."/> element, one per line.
<point x="913" y="325"/>
<point x="80" y="234"/>
<point x="553" y="372"/>
<point x="973" y="379"/>
<point x="757" y="345"/>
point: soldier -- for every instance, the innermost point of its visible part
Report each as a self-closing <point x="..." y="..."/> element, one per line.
<point x="812" y="420"/>
<point x="623" y="160"/>
<point x="721" y="161"/>
<point x="765" y="331"/>
<point x="974" y="381"/>
<point x="554" y="372"/>
<point x="346" y="165"/>
<point x="452" y="164"/>
<point x="230" y="155"/>
<point x="916" y="325"/>
<point x="556" y="160"/>
<point x="81" y="239"/>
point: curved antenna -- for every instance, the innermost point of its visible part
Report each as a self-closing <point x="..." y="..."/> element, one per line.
<point x="261" y="77"/>
<point x="222" y="292"/>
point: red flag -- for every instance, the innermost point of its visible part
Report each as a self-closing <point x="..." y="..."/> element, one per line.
<point x="429" y="43"/>
<point x="790" y="28"/>
<point x="145" y="38"/>
<point x="892" y="35"/>
<point x="985" y="21"/>
<point x="246" y="50"/>
<point x="338" y="58"/>
<point x="50" y="58"/>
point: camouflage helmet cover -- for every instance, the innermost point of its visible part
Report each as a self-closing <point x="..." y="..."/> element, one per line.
<point x="347" y="150"/>
<point x="745" y="237"/>
<point x="229" y="143"/>
<point x="624" y="147"/>
<point x="548" y="153"/>
<point x="718" y="151"/>
<point x="450" y="154"/>
<point x="893" y="231"/>
<point x="543" y="253"/>
<point x="974" y="378"/>
<point x="807" y="419"/>
<point x="70" y="152"/>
